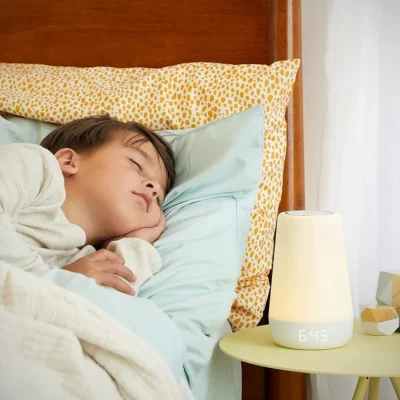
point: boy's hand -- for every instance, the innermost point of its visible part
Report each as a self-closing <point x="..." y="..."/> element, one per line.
<point x="106" y="268"/>
<point x="148" y="234"/>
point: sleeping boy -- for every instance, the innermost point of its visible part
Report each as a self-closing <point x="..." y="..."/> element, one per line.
<point x="91" y="182"/>
<point x="95" y="182"/>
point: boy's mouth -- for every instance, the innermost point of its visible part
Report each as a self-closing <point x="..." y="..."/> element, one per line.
<point x="146" y="198"/>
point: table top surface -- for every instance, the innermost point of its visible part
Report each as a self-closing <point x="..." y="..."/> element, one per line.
<point x="364" y="355"/>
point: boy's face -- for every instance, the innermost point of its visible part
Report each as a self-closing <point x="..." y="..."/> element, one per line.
<point x="123" y="185"/>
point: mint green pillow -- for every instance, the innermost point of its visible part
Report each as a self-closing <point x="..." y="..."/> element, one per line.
<point x="208" y="219"/>
<point x="208" y="211"/>
<point x="23" y="130"/>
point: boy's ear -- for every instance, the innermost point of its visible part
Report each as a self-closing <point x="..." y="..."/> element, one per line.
<point x="68" y="161"/>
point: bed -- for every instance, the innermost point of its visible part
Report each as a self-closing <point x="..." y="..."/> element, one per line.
<point x="162" y="33"/>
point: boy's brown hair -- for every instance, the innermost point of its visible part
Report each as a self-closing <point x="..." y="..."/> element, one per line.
<point x="88" y="133"/>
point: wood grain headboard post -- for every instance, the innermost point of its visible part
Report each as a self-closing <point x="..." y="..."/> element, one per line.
<point x="286" y="27"/>
<point x="285" y="35"/>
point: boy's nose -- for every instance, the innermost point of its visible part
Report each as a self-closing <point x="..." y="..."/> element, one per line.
<point x="154" y="187"/>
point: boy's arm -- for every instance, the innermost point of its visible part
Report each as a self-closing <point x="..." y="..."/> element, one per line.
<point x="14" y="250"/>
<point x="25" y="173"/>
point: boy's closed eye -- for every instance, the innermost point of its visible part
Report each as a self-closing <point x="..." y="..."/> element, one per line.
<point x="137" y="164"/>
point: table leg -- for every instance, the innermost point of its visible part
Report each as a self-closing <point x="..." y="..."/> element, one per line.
<point x="361" y="388"/>
<point x="373" y="393"/>
<point x="396" y="386"/>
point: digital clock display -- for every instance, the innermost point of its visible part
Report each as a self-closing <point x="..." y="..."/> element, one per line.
<point x="319" y="335"/>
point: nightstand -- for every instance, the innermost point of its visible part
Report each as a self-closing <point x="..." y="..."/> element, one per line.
<point x="365" y="356"/>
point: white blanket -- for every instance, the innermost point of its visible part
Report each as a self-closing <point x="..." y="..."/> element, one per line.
<point x="57" y="345"/>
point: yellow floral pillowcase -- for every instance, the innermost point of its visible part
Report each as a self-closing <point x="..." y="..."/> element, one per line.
<point x="177" y="97"/>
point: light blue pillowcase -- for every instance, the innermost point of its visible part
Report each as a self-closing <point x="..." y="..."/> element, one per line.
<point x="23" y="130"/>
<point x="208" y="211"/>
<point x="208" y="218"/>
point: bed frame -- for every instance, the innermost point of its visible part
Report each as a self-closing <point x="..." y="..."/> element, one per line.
<point x="158" y="33"/>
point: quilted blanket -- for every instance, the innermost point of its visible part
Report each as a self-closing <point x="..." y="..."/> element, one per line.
<point x="56" y="344"/>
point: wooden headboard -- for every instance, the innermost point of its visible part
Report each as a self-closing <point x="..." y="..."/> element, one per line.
<point x="158" y="33"/>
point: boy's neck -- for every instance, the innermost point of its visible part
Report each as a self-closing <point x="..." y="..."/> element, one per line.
<point x="78" y="215"/>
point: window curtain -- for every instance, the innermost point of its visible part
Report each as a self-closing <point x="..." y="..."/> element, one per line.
<point x="351" y="74"/>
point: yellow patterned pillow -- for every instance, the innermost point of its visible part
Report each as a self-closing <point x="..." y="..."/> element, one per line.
<point x="176" y="97"/>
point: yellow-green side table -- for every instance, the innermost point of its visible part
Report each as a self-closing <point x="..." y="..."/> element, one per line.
<point x="365" y="356"/>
